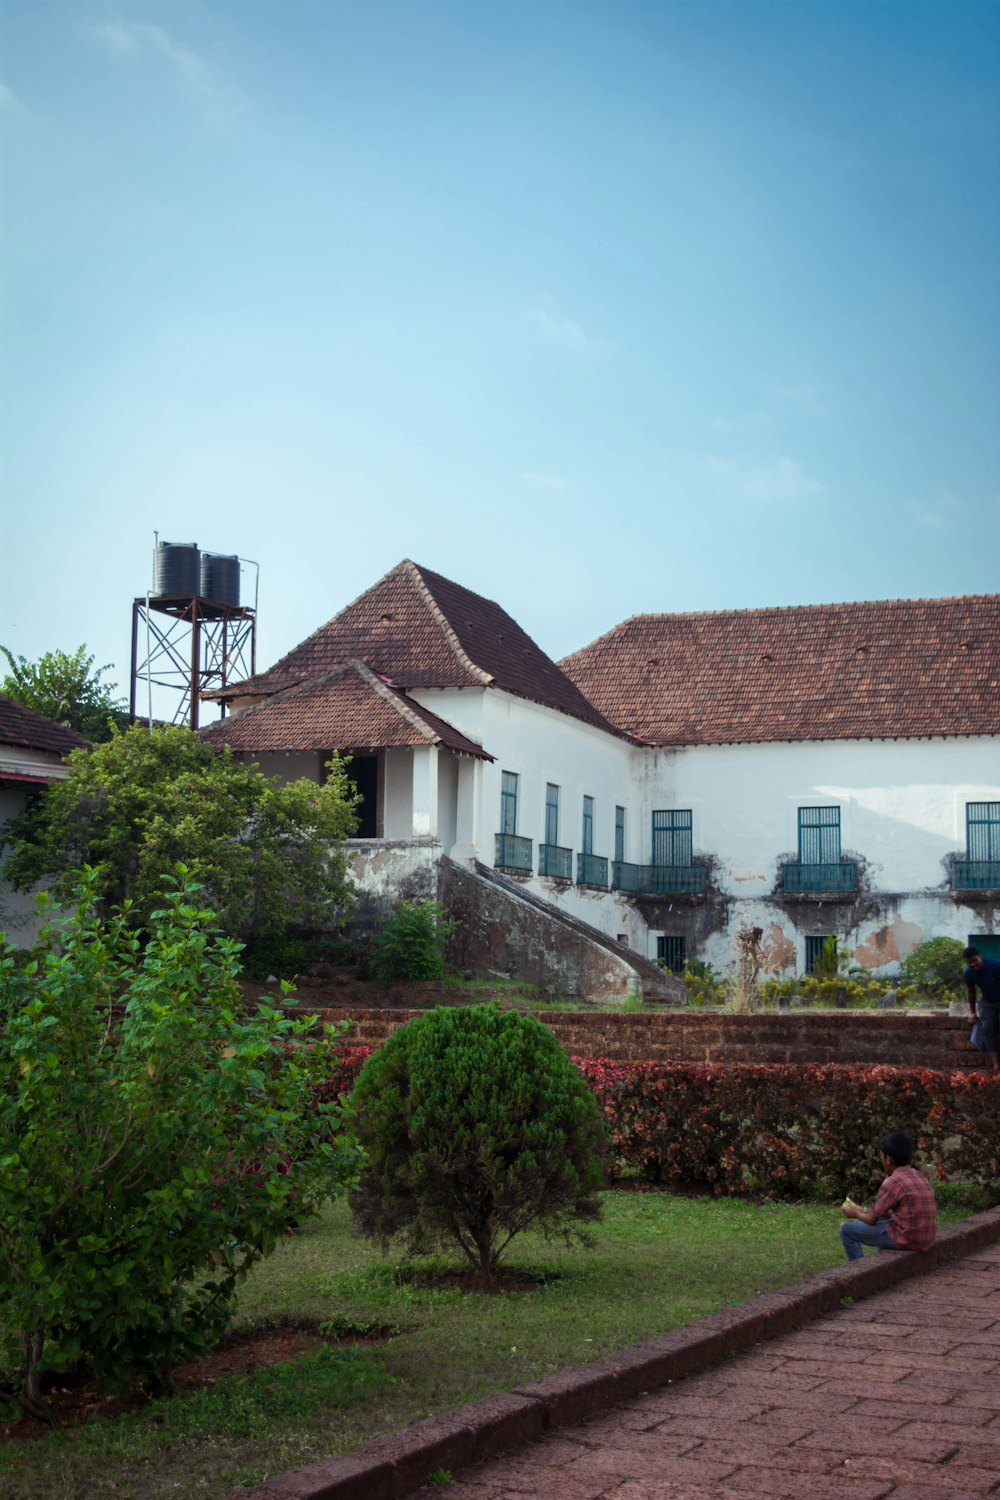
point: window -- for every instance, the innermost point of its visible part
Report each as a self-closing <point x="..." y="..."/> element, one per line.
<point x="619" y="834"/>
<point x="814" y="948"/>
<point x="508" y="801"/>
<point x="551" y="814"/>
<point x="588" y="825"/>
<point x="819" y="836"/>
<point x="672" y="837"/>
<point x="671" y="953"/>
<point x="982" y="831"/>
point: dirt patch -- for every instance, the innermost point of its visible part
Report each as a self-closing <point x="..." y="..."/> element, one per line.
<point x="75" y="1399"/>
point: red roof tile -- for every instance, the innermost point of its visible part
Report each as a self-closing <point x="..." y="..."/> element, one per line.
<point x="33" y="731"/>
<point x="898" y="668"/>
<point x="418" y="629"/>
<point x="348" y="708"/>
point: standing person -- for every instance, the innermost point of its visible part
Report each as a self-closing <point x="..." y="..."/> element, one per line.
<point x="984" y="974"/>
<point x="904" y="1214"/>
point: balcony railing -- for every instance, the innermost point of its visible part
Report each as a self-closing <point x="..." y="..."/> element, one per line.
<point x="819" y="880"/>
<point x="513" y="853"/>
<point x="592" y="869"/>
<point x="555" y="861"/>
<point x="658" y="880"/>
<point x="977" y="874"/>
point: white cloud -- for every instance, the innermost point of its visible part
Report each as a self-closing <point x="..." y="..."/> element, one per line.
<point x="9" y="102"/>
<point x="541" y="481"/>
<point x="552" y="329"/>
<point x="806" y="397"/>
<point x="781" y="479"/>
<point x="141" y="39"/>
<point x="939" y="514"/>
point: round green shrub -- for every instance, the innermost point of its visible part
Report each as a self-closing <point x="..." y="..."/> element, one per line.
<point x="936" y="966"/>
<point x="476" y="1126"/>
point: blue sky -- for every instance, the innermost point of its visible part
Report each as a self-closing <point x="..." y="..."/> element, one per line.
<point x="596" y="307"/>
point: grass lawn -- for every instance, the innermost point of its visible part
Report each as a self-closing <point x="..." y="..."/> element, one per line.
<point x="657" y="1263"/>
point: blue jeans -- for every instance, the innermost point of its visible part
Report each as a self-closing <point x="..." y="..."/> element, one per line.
<point x="854" y="1233"/>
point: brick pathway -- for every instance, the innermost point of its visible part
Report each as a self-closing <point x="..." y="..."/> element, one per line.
<point x="898" y="1395"/>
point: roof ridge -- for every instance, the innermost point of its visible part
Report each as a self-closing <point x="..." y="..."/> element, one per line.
<point x="398" y="699"/>
<point x="445" y="625"/>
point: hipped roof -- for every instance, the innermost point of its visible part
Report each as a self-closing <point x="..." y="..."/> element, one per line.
<point x="33" y="731"/>
<point x="892" y="669"/>
<point x="416" y="629"/>
<point x="347" y="708"/>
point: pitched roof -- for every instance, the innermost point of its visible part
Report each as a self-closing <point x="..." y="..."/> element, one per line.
<point x="420" y="630"/>
<point x="349" y="708"/>
<point x="33" y="731"/>
<point x="896" y="668"/>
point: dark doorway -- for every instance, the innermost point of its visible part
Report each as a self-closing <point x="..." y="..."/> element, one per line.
<point x="363" y="771"/>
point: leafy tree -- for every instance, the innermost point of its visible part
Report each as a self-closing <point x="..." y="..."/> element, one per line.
<point x="66" y="689"/>
<point x="412" y="943"/>
<point x="153" y="1139"/>
<point x="935" y="966"/>
<point x="268" y="855"/>
<point x="476" y="1126"/>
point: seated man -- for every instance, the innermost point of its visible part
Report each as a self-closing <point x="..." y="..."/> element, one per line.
<point x="904" y="1214"/>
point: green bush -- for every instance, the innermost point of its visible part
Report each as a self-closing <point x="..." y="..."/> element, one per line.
<point x="154" y="1139"/>
<point x="703" y="984"/>
<point x="476" y="1126"/>
<point x="936" y="966"/>
<point x="411" y="944"/>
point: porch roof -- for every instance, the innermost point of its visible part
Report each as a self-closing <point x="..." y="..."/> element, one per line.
<point x="349" y="707"/>
<point x="33" y="731"/>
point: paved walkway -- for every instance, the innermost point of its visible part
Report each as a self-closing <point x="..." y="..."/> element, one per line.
<point x="898" y="1395"/>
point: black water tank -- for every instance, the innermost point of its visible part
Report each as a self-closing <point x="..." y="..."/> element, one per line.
<point x="220" y="578"/>
<point x="176" y="569"/>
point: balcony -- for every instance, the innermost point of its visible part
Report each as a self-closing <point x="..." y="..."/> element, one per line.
<point x="819" y="880"/>
<point x="658" y="880"/>
<point x="592" y="869"/>
<point x="977" y="875"/>
<point x="513" y="853"/>
<point x="555" y="861"/>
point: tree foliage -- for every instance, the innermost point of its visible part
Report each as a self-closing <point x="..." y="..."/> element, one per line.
<point x="411" y="945"/>
<point x="476" y="1126"/>
<point x="67" y="689"/>
<point x="936" y="966"/>
<point x="153" y="1139"/>
<point x="267" y="854"/>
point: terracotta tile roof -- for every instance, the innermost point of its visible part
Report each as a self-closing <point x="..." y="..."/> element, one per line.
<point x="33" y="731"/>
<point x="418" y="629"/>
<point x="898" y="668"/>
<point x="348" y="708"/>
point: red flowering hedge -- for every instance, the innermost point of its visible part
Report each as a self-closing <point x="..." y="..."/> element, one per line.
<point x="788" y="1129"/>
<point x="784" y="1129"/>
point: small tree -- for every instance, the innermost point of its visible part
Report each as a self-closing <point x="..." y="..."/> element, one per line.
<point x="476" y="1126"/>
<point x="67" y="689"/>
<point x="411" y="944"/>
<point x="268" y="855"/>
<point x="153" y="1139"/>
<point x="936" y="966"/>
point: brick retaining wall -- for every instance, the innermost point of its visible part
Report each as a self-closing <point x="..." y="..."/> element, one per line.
<point x="903" y="1038"/>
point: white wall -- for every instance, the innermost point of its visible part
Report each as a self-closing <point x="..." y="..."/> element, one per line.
<point x="18" y="913"/>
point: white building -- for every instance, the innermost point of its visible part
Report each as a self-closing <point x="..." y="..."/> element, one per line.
<point x="32" y="751"/>
<point x="817" y="771"/>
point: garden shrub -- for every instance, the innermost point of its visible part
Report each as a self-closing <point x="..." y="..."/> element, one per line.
<point x="936" y="966"/>
<point x="792" y="1129"/>
<point x="476" y="1126"/>
<point x="154" y="1138"/>
<point x="411" y="944"/>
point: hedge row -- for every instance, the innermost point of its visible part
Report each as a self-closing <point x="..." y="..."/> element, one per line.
<point x="783" y="1129"/>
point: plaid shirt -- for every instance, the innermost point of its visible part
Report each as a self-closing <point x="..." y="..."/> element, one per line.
<point x="906" y="1199"/>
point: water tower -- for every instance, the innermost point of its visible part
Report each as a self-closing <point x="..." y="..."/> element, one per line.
<point x="190" y="634"/>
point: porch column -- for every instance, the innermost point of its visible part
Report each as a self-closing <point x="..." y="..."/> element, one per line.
<point x="425" y="790"/>
<point x="468" y="825"/>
